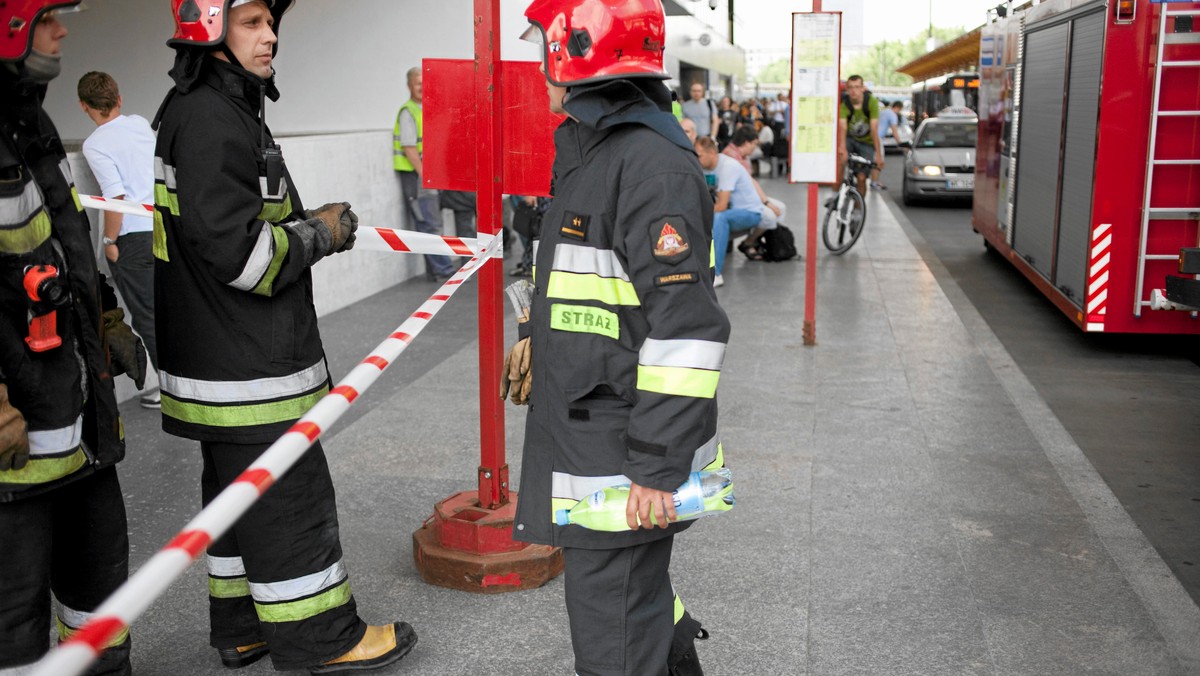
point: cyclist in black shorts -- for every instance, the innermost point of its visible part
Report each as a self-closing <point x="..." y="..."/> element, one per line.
<point x="858" y="128"/>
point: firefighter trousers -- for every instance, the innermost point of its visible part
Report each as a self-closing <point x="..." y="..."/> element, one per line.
<point x="71" y="542"/>
<point x="277" y="575"/>
<point x="621" y="608"/>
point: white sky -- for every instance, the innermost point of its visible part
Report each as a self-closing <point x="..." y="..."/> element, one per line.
<point x="765" y="24"/>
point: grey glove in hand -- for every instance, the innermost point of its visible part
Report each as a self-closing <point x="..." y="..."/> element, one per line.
<point x="14" y="440"/>
<point x="128" y="353"/>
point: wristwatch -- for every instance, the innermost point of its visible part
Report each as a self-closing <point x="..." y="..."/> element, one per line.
<point x="109" y="241"/>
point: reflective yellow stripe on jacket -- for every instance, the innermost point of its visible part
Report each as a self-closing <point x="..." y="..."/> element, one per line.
<point x="165" y="197"/>
<point x="567" y="489"/>
<point x="53" y="454"/>
<point x="586" y="273"/>
<point x="687" y="368"/>
<point x="24" y="223"/>
<point x="243" y="403"/>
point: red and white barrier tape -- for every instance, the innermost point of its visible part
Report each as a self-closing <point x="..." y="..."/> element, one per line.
<point x="368" y="238"/>
<point x="126" y="604"/>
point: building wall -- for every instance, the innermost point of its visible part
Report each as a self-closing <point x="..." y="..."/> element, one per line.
<point x="340" y="67"/>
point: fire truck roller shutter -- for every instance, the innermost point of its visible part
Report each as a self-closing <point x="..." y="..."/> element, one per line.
<point x="1038" y="147"/>
<point x="1079" y="156"/>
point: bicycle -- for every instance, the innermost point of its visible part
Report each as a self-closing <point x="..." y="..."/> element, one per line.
<point x="846" y="212"/>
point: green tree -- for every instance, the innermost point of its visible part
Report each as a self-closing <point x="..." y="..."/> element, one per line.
<point x="778" y="72"/>
<point x="879" y="63"/>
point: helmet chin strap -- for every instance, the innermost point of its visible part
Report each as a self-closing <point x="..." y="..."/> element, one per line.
<point x="229" y="55"/>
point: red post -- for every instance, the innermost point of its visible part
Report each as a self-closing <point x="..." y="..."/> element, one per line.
<point x="810" y="268"/>
<point x="810" y="262"/>
<point x="489" y="168"/>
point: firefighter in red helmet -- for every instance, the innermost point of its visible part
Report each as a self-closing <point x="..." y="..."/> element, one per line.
<point x="240" y="354"/>
<point x="62" y="516"/>
<point x="626" y="335"/>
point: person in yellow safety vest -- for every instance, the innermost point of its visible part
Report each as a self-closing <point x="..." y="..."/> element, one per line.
<point x="626" y="337"/>
<point x="421" y="204"/>
<point x="63" y="532"/>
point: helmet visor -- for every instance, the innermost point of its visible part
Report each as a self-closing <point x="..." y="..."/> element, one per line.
<point x="534" y="34"/>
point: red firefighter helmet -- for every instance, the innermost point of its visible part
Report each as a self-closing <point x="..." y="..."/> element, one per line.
<point x="203" y="23"/>
<point x="593" y="40"/>
<point x="17" y="19"/>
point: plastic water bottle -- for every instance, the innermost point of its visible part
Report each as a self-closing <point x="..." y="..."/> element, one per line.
<point x="702" y="494"/>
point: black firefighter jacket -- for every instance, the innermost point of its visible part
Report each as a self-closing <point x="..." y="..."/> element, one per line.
<point x="627" y="335"/>
<point x="239" y="351"/>
<point x="65" y="393"/>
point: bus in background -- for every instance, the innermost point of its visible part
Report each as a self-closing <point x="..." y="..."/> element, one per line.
<point x="956" y="90"/>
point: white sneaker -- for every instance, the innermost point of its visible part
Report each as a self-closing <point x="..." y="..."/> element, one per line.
<point x="151" y="400"/>
<point x="718" y="281"/>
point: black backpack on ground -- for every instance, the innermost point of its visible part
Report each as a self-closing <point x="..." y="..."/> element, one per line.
<point x="779" y="244"/>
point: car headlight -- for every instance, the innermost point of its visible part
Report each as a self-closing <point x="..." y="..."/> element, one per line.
<point x="930" y="170"/>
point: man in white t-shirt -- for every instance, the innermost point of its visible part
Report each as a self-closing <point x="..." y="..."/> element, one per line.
<point x="121" y="156"/>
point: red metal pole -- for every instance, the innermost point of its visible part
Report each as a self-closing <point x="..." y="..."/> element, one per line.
<point x="810" y="262"/>
<point x="493" y="470"/>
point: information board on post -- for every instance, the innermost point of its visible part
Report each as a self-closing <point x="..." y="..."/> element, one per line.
<point x="816" y="53"/>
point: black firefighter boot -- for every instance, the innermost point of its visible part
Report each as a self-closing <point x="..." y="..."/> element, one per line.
<point x="683" y="660"/>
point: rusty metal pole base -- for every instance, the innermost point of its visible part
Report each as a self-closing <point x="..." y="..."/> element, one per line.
<point x="467" y="547"/>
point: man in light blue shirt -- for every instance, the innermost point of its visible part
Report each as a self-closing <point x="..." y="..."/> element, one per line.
<point x="738" y="206"/>
<point x="889" y="121"/>
<point x="120" y="154"/>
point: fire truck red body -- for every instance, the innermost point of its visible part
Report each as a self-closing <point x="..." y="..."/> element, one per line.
<point x="1087" y="172"/>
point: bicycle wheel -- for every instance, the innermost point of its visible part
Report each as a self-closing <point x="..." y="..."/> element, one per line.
<point x="844" y="224"/>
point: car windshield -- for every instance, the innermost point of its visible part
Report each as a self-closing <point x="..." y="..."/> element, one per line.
<point x="948" y="135"/>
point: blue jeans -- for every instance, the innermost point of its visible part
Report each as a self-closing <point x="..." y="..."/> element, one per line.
<point x="425" y="216"/>
<point x="727" y="222"/>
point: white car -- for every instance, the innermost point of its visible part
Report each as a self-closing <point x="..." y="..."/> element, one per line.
<point x="941" y="163"/>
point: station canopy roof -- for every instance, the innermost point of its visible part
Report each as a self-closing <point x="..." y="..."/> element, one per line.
<point x="961" y="53"/>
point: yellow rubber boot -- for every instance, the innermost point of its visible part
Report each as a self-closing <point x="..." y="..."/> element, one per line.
<point x="380" y="646"/>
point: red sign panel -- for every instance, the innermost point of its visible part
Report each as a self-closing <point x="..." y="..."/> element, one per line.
<point x="449" y="127"/>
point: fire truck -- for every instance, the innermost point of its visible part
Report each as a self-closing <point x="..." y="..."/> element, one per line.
<point x="1087" y="174"/>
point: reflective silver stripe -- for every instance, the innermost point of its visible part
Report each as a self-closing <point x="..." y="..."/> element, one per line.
<point x="290" y="590"/>
<point x="536" y="242"/>
<point x="165" y="173"/>
<point x="49" y="442"/>
<point x="260" y="259"/>
<point x="586" y="260"/>
<point x="226" y="566"/>
<point x="572" y="487"/>
<point x="18" y="671"/>
<point x="65" y="167"/>
<point x="692" y="354"/>
<point x="705" y="455"/>
<point x="240" y="391"/>
<point x="18" y="210"/>
<point x="283" y="188"/>
<point x="71" y="617"/>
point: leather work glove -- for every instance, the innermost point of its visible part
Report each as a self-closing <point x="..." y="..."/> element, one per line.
<point x="128" y="353"/>
<point x="14" y="440"/>
<point x="348" y="220"/>
<point x="515" y="378"/>
<point x="339" y="221"/>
